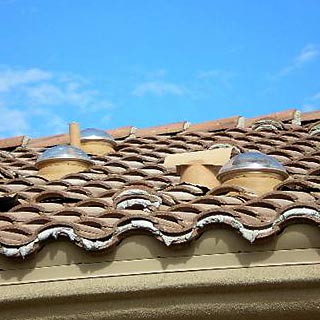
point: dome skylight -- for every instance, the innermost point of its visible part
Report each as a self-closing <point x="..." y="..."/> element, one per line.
<point x="96" y="134"/>
<point x="250" y="162"/>
<point x="63" y="152"/>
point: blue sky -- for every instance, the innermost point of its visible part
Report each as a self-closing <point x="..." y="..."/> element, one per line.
<point x="110" y="63"/>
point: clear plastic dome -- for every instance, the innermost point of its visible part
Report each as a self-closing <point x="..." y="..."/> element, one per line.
<point x="65" y="152"/>
<point x="96" y="134"/>
<point x="252" y="161"/>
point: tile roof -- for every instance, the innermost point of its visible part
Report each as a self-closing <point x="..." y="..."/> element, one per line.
<point x="131" y="191"/>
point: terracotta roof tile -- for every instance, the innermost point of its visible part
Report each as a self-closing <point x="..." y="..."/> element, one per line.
<point x="215" y="125"/>
<point x="122" y="132"/>
<point x="310" y="116"/>
<point x="287" y="115"/>
<point x="49" y="141"/>
<point x="164" y="129"/>
<point x="12" y="142"/>
<point x="131" y="190"/>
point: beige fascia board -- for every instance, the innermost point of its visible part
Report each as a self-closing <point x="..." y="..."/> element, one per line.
<point x="216" y="157"/>
<point x="160" y="266"/>
<point x="273" y="292"/>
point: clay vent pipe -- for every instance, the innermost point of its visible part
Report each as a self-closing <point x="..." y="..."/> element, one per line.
<point x="256" y="172"/>
<point x="97" y="142"/>
<point x="74" y="134"/>
<point x="58" y="161"/>
<point x="201" y="167"/>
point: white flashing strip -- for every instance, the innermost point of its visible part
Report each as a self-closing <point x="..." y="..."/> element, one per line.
<point x="248" y="234"/>
<point x="297" y="212"/>
<point x="93" y="245"/>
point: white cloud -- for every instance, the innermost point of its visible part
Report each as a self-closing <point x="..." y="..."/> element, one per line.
<point x="158" y="88"/>
<point x="39" y="102"/>
<point x="311" y="103"/>
<point x="316" y="97"/>
<point x="37" y="87"/>
<point x="307" y="54"/>
<point x="45" y="94"/>
<point x="106" y="120"/>
<point x="310" y="107"/>
<point x="11" y="78"/>
<point x="46" y="120"/>
<point x="223" y="77"/>
<point x="71" y="94"/>
<point x="39" y="121"/>
<point x="13" y="122"/>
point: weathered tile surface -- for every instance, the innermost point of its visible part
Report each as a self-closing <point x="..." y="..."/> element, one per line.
<point x="131" y="191"/>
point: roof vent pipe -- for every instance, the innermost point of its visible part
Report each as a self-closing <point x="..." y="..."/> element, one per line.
<point x="254" y="171"/>
<point x="97" y="142"/>
<point x="200" y="167"/>
<point x="74" y="133"/>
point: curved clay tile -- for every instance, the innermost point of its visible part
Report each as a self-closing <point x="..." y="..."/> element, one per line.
<point x="137" y="198"/>
<point x="30" y="192"/>
<point x="134" y="174"/>
<point x="92" y="235"/>
<point x="7" y="174"/>
<point x="76" y="178"/>
<point x="96" y="188"/>
<point x="83" y="207"/>
<point x="149" y="157"/>
<point x="315" y="171"/>
<point x="187" y="208"/>
<point x="129" y="150"/>
<point x="63" y="218"/>
<point x="19" y="181"/>
<point x="315" y="129"/>
<point x="13" y="235"/>
<point x="300" y="184"/>
<point x="267" y="125"/>
<point x="116" y="168"/>
<point x="153" y="169"/>
<point x="58" y="197"/>
<point x="195" y="135"/>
